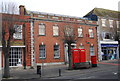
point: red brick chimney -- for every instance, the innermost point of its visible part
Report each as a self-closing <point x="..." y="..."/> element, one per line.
<point x="22" y="10"/>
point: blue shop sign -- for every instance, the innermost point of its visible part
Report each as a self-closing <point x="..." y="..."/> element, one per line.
<point x="109" y="45"/>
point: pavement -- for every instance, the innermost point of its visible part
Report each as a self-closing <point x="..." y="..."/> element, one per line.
<point x="57" y="71"/>
<point x="0" y="74"/>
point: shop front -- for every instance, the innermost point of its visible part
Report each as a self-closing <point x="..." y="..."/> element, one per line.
<point x="109" y="51"/>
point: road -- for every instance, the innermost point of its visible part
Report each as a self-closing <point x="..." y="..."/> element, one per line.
<point x="108" y="72"/>
<point x="105" y="70"/>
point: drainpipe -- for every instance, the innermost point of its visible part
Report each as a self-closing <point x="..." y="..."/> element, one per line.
<point x="24" y="61"/>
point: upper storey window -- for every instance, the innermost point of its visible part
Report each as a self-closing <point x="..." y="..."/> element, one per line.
<point x="118" y="23"/>
<point x="55" y="30"/>
<point x="41" y="29"/>
<point x="91" y="34"/>
<point x="103" y="22"/>
<point x="111" y="23"/>
<point x="80" y="32"/>
<point x="18" y="32"/>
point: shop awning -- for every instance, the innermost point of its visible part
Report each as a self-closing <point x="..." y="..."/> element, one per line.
<point x="109" y="43"/>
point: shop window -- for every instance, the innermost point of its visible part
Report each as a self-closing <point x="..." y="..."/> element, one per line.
<point x="41" y="29"/>
<point x="55" y="30"/>
<point x="42" y="51"/>
<point x="18" y="32"/>
<point x="56" y="51"/>
<point x="92" y="51"/>
<point x="80" y="32"/>
<point x="15" y="58"/>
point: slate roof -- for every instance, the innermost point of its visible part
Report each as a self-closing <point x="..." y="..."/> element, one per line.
<point x="104" y="13"/>
<point x="52" y="14"/>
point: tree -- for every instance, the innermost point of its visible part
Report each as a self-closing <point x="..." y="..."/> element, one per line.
<point x="8" y="21"/>
<point x="69" y="38"/>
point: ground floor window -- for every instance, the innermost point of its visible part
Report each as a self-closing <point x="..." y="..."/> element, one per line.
<point x="56" y="51"/>
<point x="42" y="51"/>
<point x="15" y="58"/>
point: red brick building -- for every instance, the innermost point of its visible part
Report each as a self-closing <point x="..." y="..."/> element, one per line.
<point x="20" y="44"/>
<point x="47" y="37"/>
<point x="41" y="39"/>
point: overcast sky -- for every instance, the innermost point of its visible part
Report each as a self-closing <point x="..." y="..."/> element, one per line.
<point x="66" y="7"/>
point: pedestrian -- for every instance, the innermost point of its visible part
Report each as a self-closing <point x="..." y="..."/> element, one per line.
<point x="115" y="54"/>
<point x="110" y="55"/>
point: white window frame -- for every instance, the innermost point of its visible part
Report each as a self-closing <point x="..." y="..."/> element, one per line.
<point x="57" y="53"/>
<point x="80" y="32"/>
<point x="15" y="58"/>
<point x="91" y="33"/>
<point x="18" y="32"/>
<point x="111" y="23"/>
<point x="92" y="51"/>
<point x="103" y="22"/>
<point x="55" y="30"/>
<point x="41" y="29"/>
<point x="43" y="51"/>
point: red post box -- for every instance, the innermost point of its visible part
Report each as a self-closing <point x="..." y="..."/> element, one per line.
<point x="94" y="61"/>
<point x="79" y="58"/>
<point x="82" y="55"/>
<point x="75" y="56"/>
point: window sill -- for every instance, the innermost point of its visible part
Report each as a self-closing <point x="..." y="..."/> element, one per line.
<point x="17" y="39"/>
<point x="55" y="35"/>
<point x="80" y="37"/>
<point x="42" y="57"/>
<point x="41" y="35"/>
<point x="56" y="57"/>
<point x="91" y="37"/>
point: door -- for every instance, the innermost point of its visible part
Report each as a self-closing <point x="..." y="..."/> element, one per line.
<point x="15" y="58"/>
<point x="66" y="53"/>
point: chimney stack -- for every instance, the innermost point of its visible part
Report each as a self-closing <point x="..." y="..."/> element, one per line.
<point x="22" y="10"/>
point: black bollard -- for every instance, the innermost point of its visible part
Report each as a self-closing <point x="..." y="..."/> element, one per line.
<point x="39" y="70"/>
<point x="59" y="72"/>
